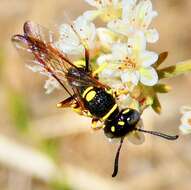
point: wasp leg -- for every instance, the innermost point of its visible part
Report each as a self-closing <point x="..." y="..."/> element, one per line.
<point x="99" y="69"/>
<point x="95" y="124"/>
<point x="87" y="60"/>
<point x="72" y="103"/>
<point x="119" y="92"/>
<point x="66" y="103"/>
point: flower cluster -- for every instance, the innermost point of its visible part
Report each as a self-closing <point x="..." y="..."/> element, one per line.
<point x="118" y="48"/>
<point x="118" y="52"/>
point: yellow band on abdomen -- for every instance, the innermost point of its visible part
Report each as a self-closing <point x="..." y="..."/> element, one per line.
<point x="110" y="112"/>
<point x="86" y="91"/>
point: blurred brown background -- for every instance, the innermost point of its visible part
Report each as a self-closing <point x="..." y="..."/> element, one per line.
<point x="43" y="148"/>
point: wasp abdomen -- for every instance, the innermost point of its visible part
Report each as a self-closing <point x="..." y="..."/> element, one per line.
<point x="98" y="101"/>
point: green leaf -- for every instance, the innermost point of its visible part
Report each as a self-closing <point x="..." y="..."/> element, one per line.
<point x="162" y="88"/>
<point x="161" y="59"/>
<point x="175" y="70"/>
<point x="156" y="104"/>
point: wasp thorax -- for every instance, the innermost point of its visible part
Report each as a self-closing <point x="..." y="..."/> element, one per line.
<point x="122" y="124"/>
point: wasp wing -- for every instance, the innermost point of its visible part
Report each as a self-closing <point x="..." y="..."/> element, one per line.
<point x="38" y="43"/>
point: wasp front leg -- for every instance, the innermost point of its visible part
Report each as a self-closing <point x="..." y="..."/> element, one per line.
<point x="96" y="124"/>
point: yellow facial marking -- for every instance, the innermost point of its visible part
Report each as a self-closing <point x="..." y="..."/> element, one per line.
<point x="121" y="123"/>
<point x="110" y="112"/>
<point x="86" y="91"/>
<point x="126" y="111"/>
<point x="90" y="96"/>
<point x="113" y="129"/>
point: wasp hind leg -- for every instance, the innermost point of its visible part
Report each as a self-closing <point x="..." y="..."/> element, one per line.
<point x="69" y="102"/>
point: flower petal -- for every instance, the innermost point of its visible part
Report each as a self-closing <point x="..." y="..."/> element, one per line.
<point x="68" y="35"/>
<point x="69" y="49"/>
<point x="120" y="51"/>
<point x="147" y="58"/>
<point x="50" y="85"/>
<point x="185" y="109"/>
<point x="148" y="76"/>
<point x="69" y="42"/>
<point x="152" y="35"/>
<point x="138" y="41"/>
<point x="126" y="101"/>
<point x="94" y="3"/>
<point x="185" y="129"/>
<point x="106" y="37"/>
<point x="91" y="15"/>
<point x="104" y="58"/>
<point x="144" y="13"/>
<point x="136" y="137"/>
<point x="86" y="30"/>
<point x="128" y="7"/>
<point x="186" y="118"/>
<point x="121" y="27"/>
<point x="130" y="76"/>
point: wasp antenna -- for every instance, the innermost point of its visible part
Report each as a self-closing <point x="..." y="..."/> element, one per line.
<point x="168" y="137"/>
<point x="115" y="171"/>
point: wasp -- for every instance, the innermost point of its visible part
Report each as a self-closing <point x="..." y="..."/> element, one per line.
<point x="87" y="95"/>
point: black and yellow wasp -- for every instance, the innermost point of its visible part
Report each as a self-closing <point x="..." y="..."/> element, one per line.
<point x="88" y="96"/>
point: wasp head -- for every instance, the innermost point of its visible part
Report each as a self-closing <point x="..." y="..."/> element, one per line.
<point x="122" y="124"/>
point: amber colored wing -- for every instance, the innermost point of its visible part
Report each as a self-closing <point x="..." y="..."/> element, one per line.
<point x="38" y="44"/>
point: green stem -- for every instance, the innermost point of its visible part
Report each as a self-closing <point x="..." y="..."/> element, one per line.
<point x="175" y="70"/>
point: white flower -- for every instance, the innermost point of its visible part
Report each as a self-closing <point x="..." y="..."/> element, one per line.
<point x="136" y="137"/>
<point x="126" y="101"/>
<point x="136" y="17"/>
<point x="106" y="37"/>
<point x="74" y="38"/>
<point x="185" y="126"/>
<point x="131" y="62"/>
<point x="106" y="9"/>
<point x="51" y="84"/>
